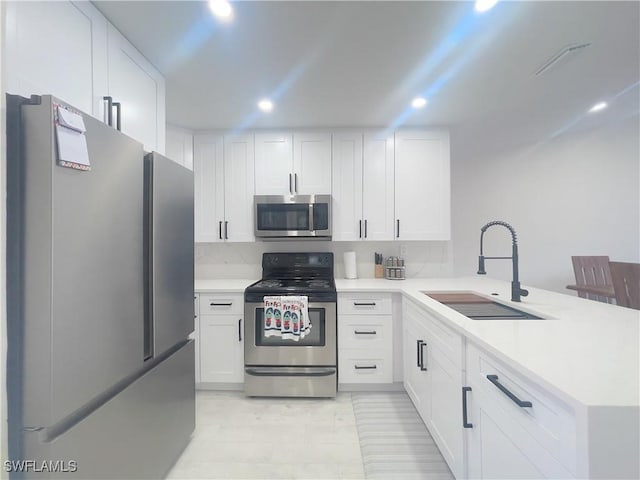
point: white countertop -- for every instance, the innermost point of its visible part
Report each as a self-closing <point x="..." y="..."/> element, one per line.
<point x="587" y="352"/>
<point x="227" y="285"/>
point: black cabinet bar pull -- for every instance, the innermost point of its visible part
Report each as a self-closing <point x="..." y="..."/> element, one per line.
<point x="109" y="101"/>
<point x="220" y="230"/>
<point x="360" y="227"/>
<point x="398" y="225"/>
<point x="367" y="332"/>
<point x="239" y="329"/>
<point x="465" y="419"/>
<point x="418" y="342"/>
<point x="422" y="367"/>
<point x="226" y="230"/>
<point x="215" y="304"/>
<point x="521" y="403"/>
<point x="118" y="115"/>
<point x="366" y="367"/>
<point x="290" y="185"/>
<point x="360" y="304"/>
<point x="365" y="229"/>
<point x="295" y="176"/>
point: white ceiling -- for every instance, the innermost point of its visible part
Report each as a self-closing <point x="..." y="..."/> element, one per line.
<point x="360" y="63"/>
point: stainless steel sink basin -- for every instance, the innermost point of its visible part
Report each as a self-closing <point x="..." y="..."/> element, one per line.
<point x="490" y="311"/>
<point x="477" y="307"/>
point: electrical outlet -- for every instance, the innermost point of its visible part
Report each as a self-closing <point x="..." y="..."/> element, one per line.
<point x="403" y="251"/>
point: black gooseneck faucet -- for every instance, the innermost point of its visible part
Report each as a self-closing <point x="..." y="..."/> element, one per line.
<point x="516" y="291"/>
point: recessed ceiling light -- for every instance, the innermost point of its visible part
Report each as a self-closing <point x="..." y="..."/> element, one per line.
<point x="220" y="8"/>
<point x="484" y="5"/>
<point x="598" y="106"/>
<point x="265" y="105"/>
<point x="418" y="102"/>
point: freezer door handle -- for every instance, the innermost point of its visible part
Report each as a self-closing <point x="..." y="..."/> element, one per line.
<point x="290" y="372"/>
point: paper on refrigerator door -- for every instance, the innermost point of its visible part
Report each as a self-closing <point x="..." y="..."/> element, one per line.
<point x="71" y="140"/>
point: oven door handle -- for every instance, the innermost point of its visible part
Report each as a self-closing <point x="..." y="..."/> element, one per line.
<point x="286" y="372"/>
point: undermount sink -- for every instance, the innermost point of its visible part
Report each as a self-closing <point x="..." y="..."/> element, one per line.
<point x="476" y="307"/>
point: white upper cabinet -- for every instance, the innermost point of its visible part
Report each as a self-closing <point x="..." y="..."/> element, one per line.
<point x="208" y="171"/>
<point x="362" y="187"/>
<point x="57" y="48"/>
<point x="179" y="146"/>
<point x="223" y="173"/>
<point x="238" y="187"/>
<point x="422" y="185"/>
<point x="69" y="50"/>
<point x="312" y="163"/>
<point x="377" y="186"/>
<point x="273" y="163"/>
<point x="346" y="208"/>
<point x="140" y="90"/>
<point x="290" y="164"/>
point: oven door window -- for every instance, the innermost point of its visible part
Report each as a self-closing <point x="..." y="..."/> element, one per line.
<point x="315" y="338"/>
<point x="283" y="217"/>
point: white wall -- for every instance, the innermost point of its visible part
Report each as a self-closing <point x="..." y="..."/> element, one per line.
<point x="578" y="194"/>
<point x="243" y="260"/>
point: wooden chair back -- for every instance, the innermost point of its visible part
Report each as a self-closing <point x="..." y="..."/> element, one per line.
<point x="594" y="272"/>
<point x="626" y="283"/>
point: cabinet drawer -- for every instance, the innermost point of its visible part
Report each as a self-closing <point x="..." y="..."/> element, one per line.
<point x="356" y="366"/>
<point x="360" y="331"/>
<point x="364" y="304"/>
<point x="221" y="304"/>
<point x="550" y="421"/>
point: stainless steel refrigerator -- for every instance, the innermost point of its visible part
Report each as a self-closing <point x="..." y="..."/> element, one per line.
<point x="100" y="369"/>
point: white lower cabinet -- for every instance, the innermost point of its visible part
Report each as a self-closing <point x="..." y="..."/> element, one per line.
<point x="519" y="430"/>
<point x="365" y="339"/>
<point x="433" y="378"/>
<point x="221" y="342"/>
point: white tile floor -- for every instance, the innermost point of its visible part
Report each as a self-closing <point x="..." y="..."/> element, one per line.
<point x="271" y="439"/>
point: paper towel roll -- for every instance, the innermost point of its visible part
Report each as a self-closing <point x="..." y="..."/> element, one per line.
<point x="350" y="265"/>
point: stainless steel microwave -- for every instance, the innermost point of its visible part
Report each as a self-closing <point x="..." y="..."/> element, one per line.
<point x="292" y="216"/>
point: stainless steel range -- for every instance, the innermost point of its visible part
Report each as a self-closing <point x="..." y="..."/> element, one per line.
<point x="276" y="366"/>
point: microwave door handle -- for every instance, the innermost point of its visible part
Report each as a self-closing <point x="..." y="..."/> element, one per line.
<point x="311" y="225"/>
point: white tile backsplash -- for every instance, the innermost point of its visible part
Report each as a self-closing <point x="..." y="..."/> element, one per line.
<point x="244" y="260"/>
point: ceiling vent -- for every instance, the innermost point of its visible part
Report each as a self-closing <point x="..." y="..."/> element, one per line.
<point x="561" y="57"/>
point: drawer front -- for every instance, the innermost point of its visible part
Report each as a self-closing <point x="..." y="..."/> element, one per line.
<point x="357" y="366"/>
<point x="360" y="331"/>
<point x="364" y="304"/>
<point x="448" y="341"/>
<point x="221" y="304"/>
<point x="550" y="421"/>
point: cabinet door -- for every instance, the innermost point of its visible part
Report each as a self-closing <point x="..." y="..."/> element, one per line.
<point x="312" y="163"/>
<point x="422" y="185"/>
<point x="208" y="187"/>
<point x="140" y="89"/>
<point x="238" y="188"/>
<point x="196" y="335"/>
<point x="273" y="164"/>
<point x="221" y="348"/>
<point x="416" y="380"/>
<point x="445" y="416"/>
<point x="498" y="448"/>
<point x="179" y="146"/>
<point x="377" y="186"/>
<point x="57" y="48"/>
<point x="346" y="186"/>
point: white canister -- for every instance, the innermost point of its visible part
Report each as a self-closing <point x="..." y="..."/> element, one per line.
<point x="350" y="265"/>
